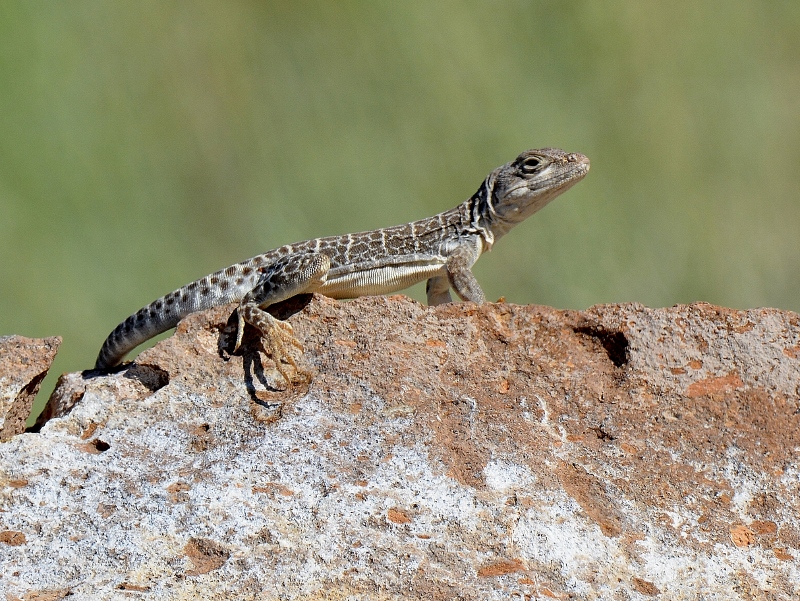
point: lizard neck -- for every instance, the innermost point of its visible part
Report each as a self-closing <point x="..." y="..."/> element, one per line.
<point x="467" y="220"/>
<point x="479" y="215"/>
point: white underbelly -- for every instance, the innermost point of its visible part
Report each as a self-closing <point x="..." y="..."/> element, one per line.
<point x="378" y="280"/>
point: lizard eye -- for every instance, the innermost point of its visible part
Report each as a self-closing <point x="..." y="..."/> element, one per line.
<point x="531" y="165"/>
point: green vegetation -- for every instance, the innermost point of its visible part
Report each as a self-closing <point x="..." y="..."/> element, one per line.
<point x="144" y="144"/>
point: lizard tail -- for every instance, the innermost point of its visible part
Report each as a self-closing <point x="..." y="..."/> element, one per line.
<point x="157" y="317"/>
<point x="165" y="313"/>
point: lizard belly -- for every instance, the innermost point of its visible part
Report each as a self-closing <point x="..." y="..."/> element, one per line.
<point x="378" y="280"/>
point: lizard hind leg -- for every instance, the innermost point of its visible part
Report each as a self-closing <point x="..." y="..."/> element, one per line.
<point x="277" y="336"/>
<point x="288" y="277"/>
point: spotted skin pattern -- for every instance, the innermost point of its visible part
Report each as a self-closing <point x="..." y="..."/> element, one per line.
<point x="441" y="249"/>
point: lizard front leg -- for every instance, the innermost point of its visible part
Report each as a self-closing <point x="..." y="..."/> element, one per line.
<point x="288" y="277"/>
<point x="459" y="274"/>
<point x="438" y="290"/>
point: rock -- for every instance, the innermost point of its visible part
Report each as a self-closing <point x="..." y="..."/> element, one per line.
<point x="456" y="452"/>
<point x="24" y="363"/>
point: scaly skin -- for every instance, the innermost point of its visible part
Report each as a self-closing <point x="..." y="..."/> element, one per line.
<point x="441" y="249"/>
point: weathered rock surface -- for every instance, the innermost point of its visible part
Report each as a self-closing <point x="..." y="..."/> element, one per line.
<point x="457" y="452"/>
<point x="24" y="363"/>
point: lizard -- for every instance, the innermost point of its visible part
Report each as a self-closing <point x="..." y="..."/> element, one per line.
<point x="441" y="249"/>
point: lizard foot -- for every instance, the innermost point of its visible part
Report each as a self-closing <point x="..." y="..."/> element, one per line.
<point x="278" y="338"/>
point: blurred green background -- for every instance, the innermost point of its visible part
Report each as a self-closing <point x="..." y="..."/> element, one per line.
<point x="145" y="144"/>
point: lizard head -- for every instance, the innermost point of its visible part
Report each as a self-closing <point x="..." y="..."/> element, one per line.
<point x="518" y="189"/>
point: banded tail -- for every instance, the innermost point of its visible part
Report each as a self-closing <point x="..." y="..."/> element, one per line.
<point x="224" y="286"/>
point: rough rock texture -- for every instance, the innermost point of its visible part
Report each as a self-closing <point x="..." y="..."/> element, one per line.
<point x="457" y="452"/>
<point x="24" y="363"/>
